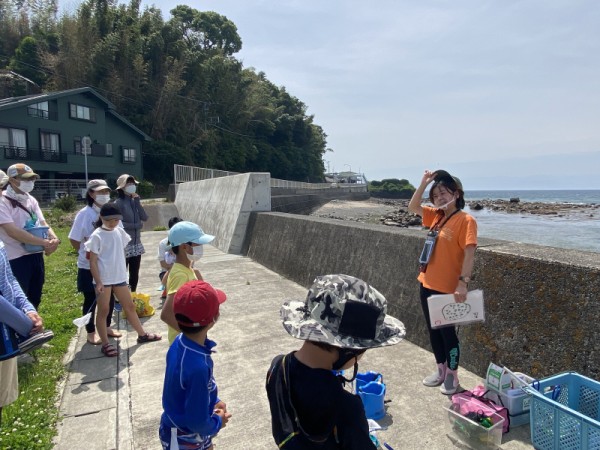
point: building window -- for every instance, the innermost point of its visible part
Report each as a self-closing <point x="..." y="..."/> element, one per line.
<point x="13" y="137"/>
<point x="77" y="147"/>
<point x="128" y="155"/>
<point x="109" y="150"/>
<point x="38" y="110"/>
<point x="82" y="112"/>
<point x="50" y="143"/>
<point x="14" y="143"/>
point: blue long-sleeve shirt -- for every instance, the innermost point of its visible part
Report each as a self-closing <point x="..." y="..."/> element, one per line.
<point x="190" y="390"/>
<point x="10" y="288"/>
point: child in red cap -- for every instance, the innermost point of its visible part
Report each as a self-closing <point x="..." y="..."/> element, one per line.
<point x="193" y="413"/>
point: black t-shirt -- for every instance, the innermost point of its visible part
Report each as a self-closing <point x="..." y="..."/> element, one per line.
<point x="322" y="404"/>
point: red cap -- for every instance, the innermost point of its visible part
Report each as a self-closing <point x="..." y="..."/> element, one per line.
<point x="199" y="302"/>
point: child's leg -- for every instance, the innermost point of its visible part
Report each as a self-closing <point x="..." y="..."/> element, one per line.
<point x="15" y="318"/>
<point x="124" y="295"/>
<point x="102" y="308"/>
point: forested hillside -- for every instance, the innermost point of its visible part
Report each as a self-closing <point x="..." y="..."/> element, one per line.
<point x="178" y="80"/>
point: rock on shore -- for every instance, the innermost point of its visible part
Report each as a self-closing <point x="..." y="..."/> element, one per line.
<point x="395" y="212"/>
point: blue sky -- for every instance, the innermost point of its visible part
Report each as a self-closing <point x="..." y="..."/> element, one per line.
<point x="505" y="93"/>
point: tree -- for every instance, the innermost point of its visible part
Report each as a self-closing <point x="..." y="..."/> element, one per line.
<point x="391" y="188"/>
<point x="27" y="62"/>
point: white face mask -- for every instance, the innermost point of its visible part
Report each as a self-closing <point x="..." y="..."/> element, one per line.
<point x="198" y="252"/>
<point x="26" y="186"/>
<point x="130" y="189"/>
<point x="102" y="199"/>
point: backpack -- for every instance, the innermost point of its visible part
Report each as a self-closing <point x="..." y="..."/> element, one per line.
<point x="287" y="431"/>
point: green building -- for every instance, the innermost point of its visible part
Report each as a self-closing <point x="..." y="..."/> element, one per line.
<point x="49" y="132"/>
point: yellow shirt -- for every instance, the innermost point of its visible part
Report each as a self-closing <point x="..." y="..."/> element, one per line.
<point x="178" y="276"/>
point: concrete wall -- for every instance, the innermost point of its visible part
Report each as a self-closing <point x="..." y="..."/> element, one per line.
<point x="222" y="206"/>
<point x="305" y="201"/>
<point x="542" y="304"/>
<point x="159" y="214"/>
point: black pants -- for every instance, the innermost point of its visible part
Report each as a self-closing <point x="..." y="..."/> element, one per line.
<point x="133" y="263"/>
<point x="29" y="270"/>
<point x="444" y="341"/>
<point x="85" y="285"/>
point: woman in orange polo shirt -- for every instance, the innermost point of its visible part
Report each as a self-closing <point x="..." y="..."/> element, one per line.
<point x="446" y="265"/>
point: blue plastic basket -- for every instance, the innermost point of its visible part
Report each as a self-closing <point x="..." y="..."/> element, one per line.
<point x="565" y="413"/>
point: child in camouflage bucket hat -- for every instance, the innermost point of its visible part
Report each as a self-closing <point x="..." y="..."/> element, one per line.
<point x="340" y="319"/>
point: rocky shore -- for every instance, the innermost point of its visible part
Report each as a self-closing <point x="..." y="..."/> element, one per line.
<point x="395" y="212"/>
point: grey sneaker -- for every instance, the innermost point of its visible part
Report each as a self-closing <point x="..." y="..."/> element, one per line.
<point x="36" y="341"/>
<point x="450" y="385"/>
<point x="437" y="377"/>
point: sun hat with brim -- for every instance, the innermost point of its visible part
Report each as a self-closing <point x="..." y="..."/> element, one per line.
<point x="342" y="311"/>
<point x="122" y="180"/>
<point x="97" y="185"/>
<point x="21" y="170"/>
<point x="184" y="232"/>
<point x="3" y="179"/>
<point x="441" y="175"/>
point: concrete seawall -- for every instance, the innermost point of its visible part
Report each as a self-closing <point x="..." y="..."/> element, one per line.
<point x="542" y="304"/>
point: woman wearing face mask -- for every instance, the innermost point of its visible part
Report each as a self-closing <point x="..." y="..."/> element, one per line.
<point x="186" y="240"/>
<point x="18" y="211"/>
<point x="133" y="216"/>
<point x="98" y="194"/>
<point x="447" y="267"/>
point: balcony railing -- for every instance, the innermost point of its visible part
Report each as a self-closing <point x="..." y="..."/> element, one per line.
<point x="29" y="154"/>
<point x="42" y="113"/>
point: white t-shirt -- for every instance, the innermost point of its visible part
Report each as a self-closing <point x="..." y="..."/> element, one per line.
<point x="82" y="229"/>
<point x="164" y="252"/>
<point x="17" y="216"/>
<point x="110" y="248"/>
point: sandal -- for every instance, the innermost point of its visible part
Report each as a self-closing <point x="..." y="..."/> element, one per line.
<point x="109" y="350"/>
<point x="149" y="337"/>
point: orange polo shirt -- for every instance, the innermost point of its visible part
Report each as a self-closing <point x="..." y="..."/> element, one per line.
<point x="448" y="255"/>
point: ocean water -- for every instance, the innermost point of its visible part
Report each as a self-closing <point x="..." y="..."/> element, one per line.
<point x="572" y="231"/>
<point x="549" y="196"/>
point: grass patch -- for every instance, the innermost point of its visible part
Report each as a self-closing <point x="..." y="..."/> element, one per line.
<point x="30" y="422"/>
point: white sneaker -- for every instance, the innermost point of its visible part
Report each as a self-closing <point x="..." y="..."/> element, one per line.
<point x="450" y="385"/>
<point x="437" y="377"/>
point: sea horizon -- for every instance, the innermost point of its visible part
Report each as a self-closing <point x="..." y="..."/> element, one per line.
<point x="576" y="196"/>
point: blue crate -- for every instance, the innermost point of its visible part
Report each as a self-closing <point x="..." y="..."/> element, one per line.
<point x="565" y="414"/>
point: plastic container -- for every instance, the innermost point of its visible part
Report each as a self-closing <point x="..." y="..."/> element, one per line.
<point x="566" y="413"/>
<point x="366" y="377"/>
<point x="473" y="433"/>
<point x="519" y="419"/>
<point x="516" y="400"/>
<point x="41" y="232"/>
<point x="372" y="395"/>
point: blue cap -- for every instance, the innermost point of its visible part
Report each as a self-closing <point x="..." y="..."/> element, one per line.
<point x="184" y="232"/>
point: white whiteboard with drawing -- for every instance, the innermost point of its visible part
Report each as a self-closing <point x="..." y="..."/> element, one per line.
<point x="444" y="311"/>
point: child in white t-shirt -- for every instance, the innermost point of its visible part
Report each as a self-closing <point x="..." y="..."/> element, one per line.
<point x="107" y="264"/>
<point x="166" y="258"/>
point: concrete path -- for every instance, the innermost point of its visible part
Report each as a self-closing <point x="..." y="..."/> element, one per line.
<point x="115" y="403"/>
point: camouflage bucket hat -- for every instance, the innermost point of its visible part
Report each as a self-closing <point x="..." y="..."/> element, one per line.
<point x="343" y="311"/>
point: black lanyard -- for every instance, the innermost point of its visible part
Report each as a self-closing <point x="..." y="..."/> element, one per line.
<point x="433" y="227"/>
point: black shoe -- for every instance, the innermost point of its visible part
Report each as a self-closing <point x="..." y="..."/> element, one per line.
<point x="36" y="341"/>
